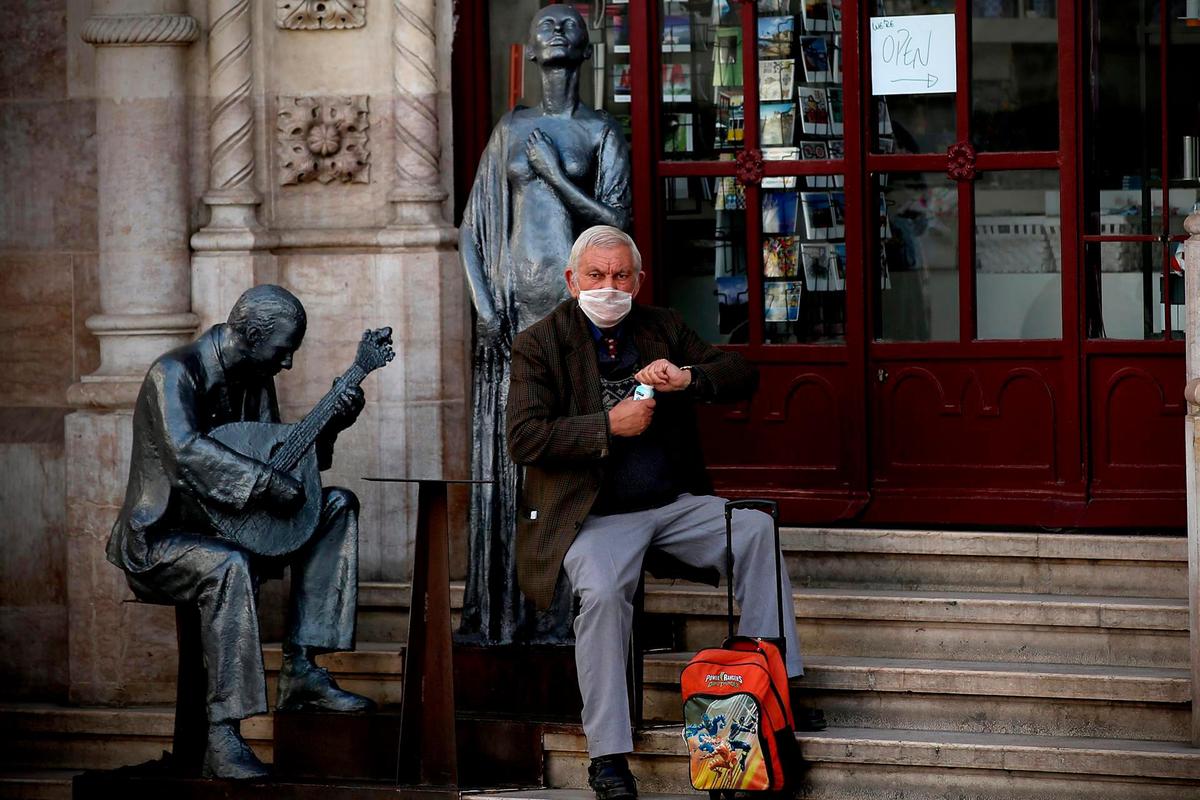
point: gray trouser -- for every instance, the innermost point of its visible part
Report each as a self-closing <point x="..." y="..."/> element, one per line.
<point x="604" y="565"/>
<point x="220" y="578"/>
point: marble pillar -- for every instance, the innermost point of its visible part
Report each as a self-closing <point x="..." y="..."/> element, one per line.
<point x="417" y="194"/>
<point x="120" y="651"/>
<point x="1191" y="430"/>
<point x="231" y="251"/>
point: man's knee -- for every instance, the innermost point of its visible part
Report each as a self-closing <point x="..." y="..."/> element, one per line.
<point x="340" y="501"/>
<point x="605" y="598"/>
<point x="231" y="570"/>
<point x="755" y="531"/>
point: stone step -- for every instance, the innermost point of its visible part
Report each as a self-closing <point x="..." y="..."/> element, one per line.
<point x="49" y="737"/>
<point x="1041" y="563"/>
<point x="853" y="763"/>
<point x="972" y="697"/>
<point x="962" y="626"/>
<point x="861" y="692"/>
<point x="36" y="784"/>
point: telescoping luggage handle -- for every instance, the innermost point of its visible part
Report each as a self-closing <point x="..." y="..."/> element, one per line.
<point x="772" y="508"/>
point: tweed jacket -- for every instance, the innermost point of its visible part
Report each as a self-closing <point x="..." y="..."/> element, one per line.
<point x="558" y="428"/>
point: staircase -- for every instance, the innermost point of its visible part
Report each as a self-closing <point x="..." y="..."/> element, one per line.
<point x="950" y="665"/>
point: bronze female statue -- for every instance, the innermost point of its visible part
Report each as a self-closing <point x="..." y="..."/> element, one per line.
<point x="548" y="173"/>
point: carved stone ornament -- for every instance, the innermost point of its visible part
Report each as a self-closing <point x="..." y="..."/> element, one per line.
<point x="323" y="139"/>
<point x="960" y="161"/>
<point x="312" y="15"/>
<point x="750" y="166"/>
<point x="141" y="29"/>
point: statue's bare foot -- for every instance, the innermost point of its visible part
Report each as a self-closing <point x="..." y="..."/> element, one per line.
<point x="303" y="686"/>
<point x="229" y="757"/>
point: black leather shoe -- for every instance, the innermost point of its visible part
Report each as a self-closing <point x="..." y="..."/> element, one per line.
<point x="229" y="757"/>
<point x="303" y="686"/>
<point x="610" y="778"/>
<point x="810" y="719"/>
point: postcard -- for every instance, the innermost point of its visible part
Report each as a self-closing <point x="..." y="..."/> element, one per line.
<point x="776" y="80"/>
<point x="816" y="151"/>
<point x="814" y="110"/>
<point x="618" y="29"/>
<point x="814" y="259"/>
<point x="779" y="256"/>
<point x="731" y="195"/>
<point x="725" y="12"/>
<point x="837" y="150"/>
<point x="835" y="14"/>
<point x="779" y="212"/>
<point x="815" y="50"/>
<point x="836" y="125"/>
<point x="727" y="57"/>
<point x="677" y="34"/>
<point x="883" y="117"/>
<point x="677" y="133"/>
<point x="816" y="16"/>
<point x="777" y="123"/>
<point x="835" y="60"/>
<point x="622" y="78"/>
<point x="781" y="301"/>
<point x="730" y="129"/>
<point x="838" y="203"/>
<point x="780" y="154"/>
<point x="767" y="8"/>
<point x="733" y="297"/>
<point x="837" y="264"/>
<point x="677" y="83"/>
<point x="775" y="35"/>
<point x="818" y="214"/>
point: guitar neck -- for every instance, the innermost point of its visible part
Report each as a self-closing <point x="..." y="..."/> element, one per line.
<point x="305" y="432"/>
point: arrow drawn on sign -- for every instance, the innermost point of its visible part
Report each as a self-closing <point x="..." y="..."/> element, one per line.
<point x="930" y="80"/>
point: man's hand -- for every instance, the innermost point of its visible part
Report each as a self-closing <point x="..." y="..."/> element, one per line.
<point x="348" y="405"/>
<point x="663" y="376"/>
<point x="630" y="417"/>
<point x="284" y="492"/>
<point x="543" y="156"/>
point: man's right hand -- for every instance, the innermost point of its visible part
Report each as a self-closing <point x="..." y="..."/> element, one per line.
<point x="284" y="492"/>
<point x="630" y="417"/>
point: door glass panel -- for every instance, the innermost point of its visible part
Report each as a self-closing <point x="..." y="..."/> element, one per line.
<point x="1018" y="255"/>
<point x="1123" y="143"/>
<point x="1183" y="117"/>
<point x="702" y="92"/>
<point x="917" y="256"/>
<point x="804" y="261"/>
<point x="1014" y="75"/>
<point x="1124" y="291"/>
<point x="918" y="123"/>
<point x="704" y="268"/>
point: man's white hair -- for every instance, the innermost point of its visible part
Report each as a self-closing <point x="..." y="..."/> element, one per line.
<point x="601" y="237"/>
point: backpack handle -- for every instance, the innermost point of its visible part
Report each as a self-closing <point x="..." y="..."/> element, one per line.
<point x="772" y="508"/>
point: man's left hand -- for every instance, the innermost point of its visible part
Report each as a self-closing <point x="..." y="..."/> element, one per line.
<point x="663" y="376"/>
<point x="348" y="406"/>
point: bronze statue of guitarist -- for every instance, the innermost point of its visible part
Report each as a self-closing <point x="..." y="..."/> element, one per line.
<point x="221" y="495"/>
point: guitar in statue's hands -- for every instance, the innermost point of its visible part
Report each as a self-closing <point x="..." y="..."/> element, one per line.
<point x="291" y="449"/>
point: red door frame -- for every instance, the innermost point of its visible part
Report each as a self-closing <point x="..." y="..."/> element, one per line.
<point x="827" y="493"/>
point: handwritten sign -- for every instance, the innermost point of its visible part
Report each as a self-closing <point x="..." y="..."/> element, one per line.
<point x="913" y="55"/>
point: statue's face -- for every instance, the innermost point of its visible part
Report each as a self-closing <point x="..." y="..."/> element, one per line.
<point x="558" y="35"/>
<point x="272" y="352"/>
<point x="604" y="268"/>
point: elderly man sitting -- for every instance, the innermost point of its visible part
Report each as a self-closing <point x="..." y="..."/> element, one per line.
<point x="608" y="476"/>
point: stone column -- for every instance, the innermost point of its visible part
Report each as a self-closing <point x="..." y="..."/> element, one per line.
<point x="118" y="652"/>
<point x="230" y="252"/>
<point x="1191" y="429"/>
<point x="418" y="194"/>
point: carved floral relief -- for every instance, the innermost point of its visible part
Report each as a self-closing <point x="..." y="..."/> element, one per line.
<point x="323" y="139"/>
<point x="311" y="15"/>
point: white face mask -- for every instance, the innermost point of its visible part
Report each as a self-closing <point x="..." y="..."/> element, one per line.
<point x="605" y="307"/>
